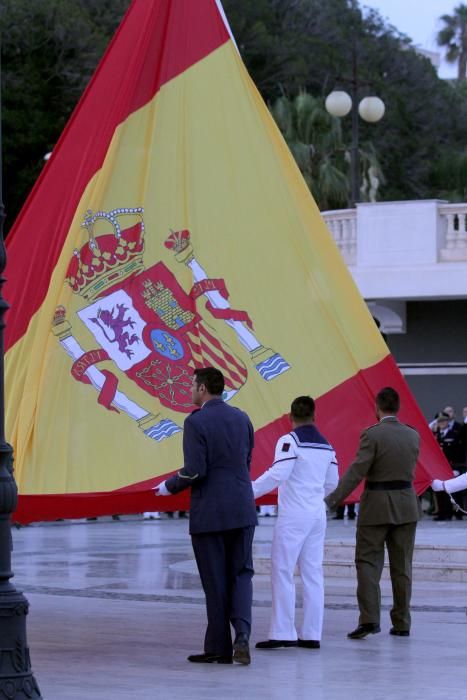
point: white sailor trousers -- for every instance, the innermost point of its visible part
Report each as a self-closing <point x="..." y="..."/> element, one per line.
<point x="298" y="539"/>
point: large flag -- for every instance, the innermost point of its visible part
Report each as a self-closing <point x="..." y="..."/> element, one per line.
<point x="169" y="230"/>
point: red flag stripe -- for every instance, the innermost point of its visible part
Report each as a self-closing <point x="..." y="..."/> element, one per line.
<point x="355" y="413"/>
<point x="194" y="343"/>
<point x="240" y="373"/>
<point x="232" y="377"/>
<point x="200" y="356"/>
<point x="210" y="352"/>
<point x="231" y="359"/>
<point x="170" y="35"/>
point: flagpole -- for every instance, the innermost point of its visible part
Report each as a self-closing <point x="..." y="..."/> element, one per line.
<point x="16" y="678"/>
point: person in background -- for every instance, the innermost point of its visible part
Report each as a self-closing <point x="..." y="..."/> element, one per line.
<point x="267" y="511"/>
<point x="448" y="434"/>
<point x="449" y="411"/>
<point x="151" y="515"/>
<point x="340" y="511"/>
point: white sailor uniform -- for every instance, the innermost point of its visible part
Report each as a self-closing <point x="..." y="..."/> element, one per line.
<point x="451" y="485"/>
<point x="305" y="470"/>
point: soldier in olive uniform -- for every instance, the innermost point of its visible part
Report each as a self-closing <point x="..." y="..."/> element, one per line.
<point x="388" y="514"/>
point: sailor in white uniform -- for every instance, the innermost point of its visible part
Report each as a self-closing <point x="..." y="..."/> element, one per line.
<point x="305" y="470"/>
<point x="451" y="485"/>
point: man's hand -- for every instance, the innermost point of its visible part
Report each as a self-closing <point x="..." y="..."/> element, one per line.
<point x="437" y="485"/>
<point x="161" y="490"/>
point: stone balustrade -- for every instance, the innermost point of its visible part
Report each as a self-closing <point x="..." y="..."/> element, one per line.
<point x="342" y="223"/>
<point x="411" y="249"/>
<point x="455" y="244"/>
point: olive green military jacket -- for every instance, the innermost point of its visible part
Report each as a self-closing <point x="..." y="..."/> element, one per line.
<point x="388" y="451"/>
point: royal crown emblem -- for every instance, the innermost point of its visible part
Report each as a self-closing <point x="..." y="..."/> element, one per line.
<point x="109" y="259"/>
<point x="153" y="330"/>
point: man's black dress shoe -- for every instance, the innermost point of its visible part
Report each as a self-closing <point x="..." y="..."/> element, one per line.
<point x="399" y="633"/>
<point x="276" y="644"/>
<point x="363" y="631"/>
<point x="309" y="643"/>
<point x="241" y="650"/>
<point x="438" y="518"/>
<point x="209" y="659"/>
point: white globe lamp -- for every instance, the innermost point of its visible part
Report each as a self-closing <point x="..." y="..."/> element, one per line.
<point x="338" y="103"/>
<point x="371" y="109"/>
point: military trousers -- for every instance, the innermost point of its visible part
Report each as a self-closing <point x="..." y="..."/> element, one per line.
<point x="369" y="560"/>
<point x="225" y="565"/>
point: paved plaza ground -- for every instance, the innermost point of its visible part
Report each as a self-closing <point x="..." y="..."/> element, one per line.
<point x="116" y="607"/>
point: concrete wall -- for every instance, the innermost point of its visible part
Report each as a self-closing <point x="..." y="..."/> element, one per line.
<point x="436" y="333"/>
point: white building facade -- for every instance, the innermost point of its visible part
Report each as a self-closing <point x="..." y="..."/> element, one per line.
<point x="409" y="261"/>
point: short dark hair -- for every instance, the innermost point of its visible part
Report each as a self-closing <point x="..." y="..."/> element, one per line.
<point x="302" y="409"/>
<point x="388" y="400"/>
<point x="442" y="416"/>
<point x="212" y="378"/>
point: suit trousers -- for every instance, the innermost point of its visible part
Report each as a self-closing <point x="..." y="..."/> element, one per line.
<point x="225" y="565"/>
<point x="297" y="540"/>
<point x="369" y="560"/>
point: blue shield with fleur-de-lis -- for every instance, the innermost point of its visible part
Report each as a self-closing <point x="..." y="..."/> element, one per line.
<point x="166" y="344"/>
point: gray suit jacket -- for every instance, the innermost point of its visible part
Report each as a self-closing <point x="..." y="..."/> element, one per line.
<point x="388" y="451"/>
<point x="217" y="447"/>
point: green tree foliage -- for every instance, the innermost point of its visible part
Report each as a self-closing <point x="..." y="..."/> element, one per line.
<point x="315" y="140"/>
<point x="449" y="175"/>
<point x="50" y="49"/>
<point x="312" y="42"/>
<point x="453" y="36"/>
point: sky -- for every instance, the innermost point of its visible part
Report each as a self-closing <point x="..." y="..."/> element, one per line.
<point x="419" y="20"/>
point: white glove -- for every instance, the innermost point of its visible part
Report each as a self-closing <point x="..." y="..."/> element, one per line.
<point x="255" y="490"/>
<point x="161" y="489"/>
<point x="437" y="485"/>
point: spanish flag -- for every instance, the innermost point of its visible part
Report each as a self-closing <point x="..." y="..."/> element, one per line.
<point x="171" y="229"/>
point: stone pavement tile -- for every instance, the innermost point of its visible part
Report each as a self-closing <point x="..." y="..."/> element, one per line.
<point x="110" y="619"/>
<point x="114" y="650"/>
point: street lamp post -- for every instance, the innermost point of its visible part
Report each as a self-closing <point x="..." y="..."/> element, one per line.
<point x="371" y="109"/>
<point x="16" y="679"/>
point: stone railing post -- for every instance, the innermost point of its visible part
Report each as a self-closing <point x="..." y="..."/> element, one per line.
<point x="455" y="218"/>
<point x="342" y="224"/>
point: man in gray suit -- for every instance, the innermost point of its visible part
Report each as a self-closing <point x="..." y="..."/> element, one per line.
<point x="388" y="514"/>
<point x="217" y="448"/>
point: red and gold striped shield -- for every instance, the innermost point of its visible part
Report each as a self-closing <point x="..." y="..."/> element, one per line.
<point x="171" y="229"/>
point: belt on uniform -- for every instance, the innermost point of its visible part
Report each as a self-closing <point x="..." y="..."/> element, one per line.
<point x="387" y="485"/>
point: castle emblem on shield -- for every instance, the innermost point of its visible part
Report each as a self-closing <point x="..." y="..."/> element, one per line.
<point x="148" y="327"/>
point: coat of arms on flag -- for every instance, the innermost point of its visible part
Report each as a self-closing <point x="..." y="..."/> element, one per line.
<point x="172" y="132"/>
<point x="149" y="326"/>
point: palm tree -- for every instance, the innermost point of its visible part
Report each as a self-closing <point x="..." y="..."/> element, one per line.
<point x="448" y="175"/>
<point x="315" y="140"/>
<point x="454" y="37"/>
